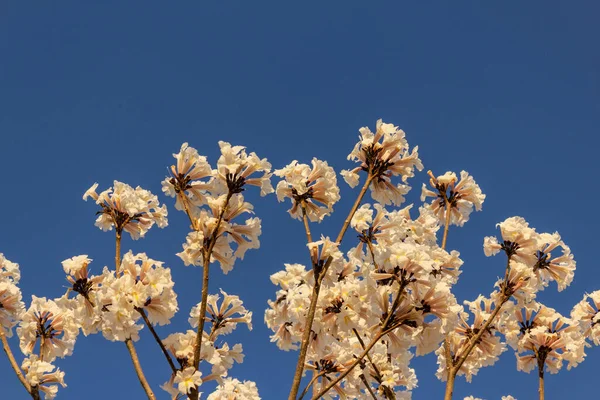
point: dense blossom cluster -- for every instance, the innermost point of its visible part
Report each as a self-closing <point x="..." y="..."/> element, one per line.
<point x="359" y="315"/>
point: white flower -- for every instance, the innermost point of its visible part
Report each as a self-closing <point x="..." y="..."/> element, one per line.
<point x="382" y="160"/>
<point x="187" y="380"/>
<point x="233" y="389"/>
<point x="128" y="209"/>
<point x="314" y="189"/>
<point x="459" y="197"/>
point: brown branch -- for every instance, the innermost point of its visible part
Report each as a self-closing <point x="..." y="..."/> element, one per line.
<point x="157" y="338"/>
<point x="117" y="253"/>
<point x="454" y="367"/>
<point x="384" y="331"/>
<point x="312" y="381"/>
<point x="364" y="380"/>
<point x="386" y="390"/>
<point x="315" y="295"/>
<point x="207" y="252"/>
<point x="356" y="361"/>
<point x="32" y="390"/>
<point x="138" y="369"/>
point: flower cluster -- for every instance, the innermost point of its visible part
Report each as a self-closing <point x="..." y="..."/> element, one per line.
<point x="383" y="154"/>
<point x="127" y="209"/>
<point x="224" y="319"/>
<point x="391" y="291"/>
<point x="313" y="190"/>
<point x="212" y="205"/>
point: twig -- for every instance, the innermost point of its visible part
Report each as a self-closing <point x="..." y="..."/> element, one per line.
<point x="138" y="369"/>
<point x="32" y="390"/>
<point x="157" y="338"/>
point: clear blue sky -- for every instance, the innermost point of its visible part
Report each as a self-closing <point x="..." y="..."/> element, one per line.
<point x="508" y="91"/>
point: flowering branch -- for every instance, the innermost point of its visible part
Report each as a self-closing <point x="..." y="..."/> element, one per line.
<point x="206" y="263"/>
<point x="319" y="275"/>
<point x="455" y="366"/>
<point x="357" y="360"/>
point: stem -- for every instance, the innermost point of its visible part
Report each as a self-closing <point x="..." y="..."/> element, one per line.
<point x="187" y="210"/>
<point x="386" y="390"/>
<point x="364" y="380"/>
<point x="315" y="295"/>
<point x="447" y="223"/>
<point x="313" y="380"/>
<point x="541" y="359"/>
<point x="354" y="208"/>
<point x="33" y="391"/>
<point x="453" y="369"/>
<point x="157" y="338"/>
<point x="449" y="385"/>
<point x="138" y="369"/>
<point x="117" y="253"/>
<point x="205" y="275"/>
<point x="305" y="341"/>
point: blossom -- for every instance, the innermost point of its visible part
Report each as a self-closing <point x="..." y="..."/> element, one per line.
<point x="11" y="306"/>
<point x="39" y="373"/>
<point x="128" y="209"/>
<point x="548" y="268"/>
<point x="187" y="379"/>
<point x="53" y="323"/>
<point x="233" y="389"/>
<point x="459" y="198"/>
<point x="382" y="160"/>
<point x="235" y="167"/>
<point x="547" y="338"/>
<point x="519" y="241"/>
<point x="588" y="317"/>
<point x="225" y="317"/>
<point x="185" y="178"/>
<point x="313" y="189"/>
<point x="9" y="271"/>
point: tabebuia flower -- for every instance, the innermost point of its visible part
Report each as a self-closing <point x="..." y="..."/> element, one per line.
<point x="127" y="209"/>
<point x="224" y="317"/>
<point x="51" y="325"/>
<point x="185" y="178"/>
<point x="454" y="196"/>
<point x="235" y="169"/>
<point x="231" y="388"/>
<point x="384" y="154"/>
<point x="144" y="285"/>
<point x="42" y="374"/>
<point x="586" y="315"/>
<point x="313" y="189"/>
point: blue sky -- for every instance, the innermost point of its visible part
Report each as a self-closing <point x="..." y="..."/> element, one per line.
<point x="508" y="91"/>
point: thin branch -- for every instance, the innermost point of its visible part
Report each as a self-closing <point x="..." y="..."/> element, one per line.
<point x="186" y="207"/>
<point x="32" y="390"/>
<point x="315" y="295"/>
<point x="386" y="390"/>
<point x="138" y="369"/>
<point x="454" y="367"/>
<point x="447" y="222"/>
<point x="364" y="380"/>
<point x="541" y="360"/>
<point x="384" y="331"/>
<point x="117" y="253"/>
<point x="356" y="361"/>
<point x="312" y="381"/>
<point x="157" y="338"/>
